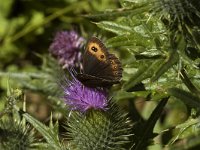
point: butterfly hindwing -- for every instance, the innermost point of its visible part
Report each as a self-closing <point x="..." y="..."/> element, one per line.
<point x="93" y="81"/>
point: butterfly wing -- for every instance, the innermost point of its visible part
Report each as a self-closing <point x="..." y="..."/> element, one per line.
<point x="93" y="81"/>
<point x="99" y="67"/>
<point x="95" y="57"/>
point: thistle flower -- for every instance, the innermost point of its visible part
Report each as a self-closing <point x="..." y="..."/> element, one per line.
<point x="81" y="98"/>
<point x="66" y="48"/>
<point x="178" y="11"/>
<point x="99" y="130"/>
<point x="180" y="16"/>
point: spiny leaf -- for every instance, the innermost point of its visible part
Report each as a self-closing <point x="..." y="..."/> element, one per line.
<point x="185" y="130"/>
<point x="189" y="83"/>
<point x="149" y="125"/>
<point x="168" y="63"/>
<point x="196" y="37"/>
<point x="133" y="39"/>
<point x="23" y="75"/>
<point x="190" y="143"/>
<point x="50" y="136"/>
<point x="121" y="95"/>
<point x="187" y="97"/>
<point x="144" y="72"/>
<point x="53" y="127"/>
<point x="45" y="80"/>
<point x="118" y="13"/>
<point x="16" y="135"/>
<point x="115" y="27"/>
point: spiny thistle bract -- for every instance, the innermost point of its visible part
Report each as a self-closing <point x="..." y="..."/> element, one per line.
<point x="185" y="12"/>
<point x="15" y="136"/>
<point x="181" y="16"/>
<point x="99" y="130"/>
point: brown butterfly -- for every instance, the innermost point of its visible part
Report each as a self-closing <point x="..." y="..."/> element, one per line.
<point x="100" y="68"/>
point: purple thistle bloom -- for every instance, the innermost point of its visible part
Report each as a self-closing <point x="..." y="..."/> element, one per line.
<point x="81" y="98"/>
<point x="66" y="47"/>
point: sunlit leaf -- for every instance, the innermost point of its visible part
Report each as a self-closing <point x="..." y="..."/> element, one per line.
<point x="143" y="73"/>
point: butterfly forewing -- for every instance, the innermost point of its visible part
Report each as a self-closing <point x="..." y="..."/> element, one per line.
<point x="99" y="67"/>
<point x="95" y="57"/>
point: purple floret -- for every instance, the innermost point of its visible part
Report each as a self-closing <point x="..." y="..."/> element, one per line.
<point x="81" y="98"/>
<point x="66" y="48"/>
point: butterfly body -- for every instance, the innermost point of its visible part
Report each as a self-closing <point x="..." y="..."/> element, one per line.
<point x="100" y="68"/>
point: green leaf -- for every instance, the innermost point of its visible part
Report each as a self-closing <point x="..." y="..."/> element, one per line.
<point x="190" y="143"/>
<point x="155" y="115"/>
<point x="185" y="130"/>
<point x="49" y="134"/>
<point x="168" y="63"/>
<point x="53" y="127"/>
<point x="186" y="97"/>
<point x="133" y="39"/>
<point x="42" y="146"/>
<point x="121" y="95"/>
<point x="5" y="8"/>
<point x="45" y="81"/>
<point x="148" y="127"/>
<point x="118" y="13"/>
<point x="15" y="135"/>
<point x="24" y="75"/>
<point x="189" y="83"/>
<point x="115" y="27"/>
<point x="144" y="72"/>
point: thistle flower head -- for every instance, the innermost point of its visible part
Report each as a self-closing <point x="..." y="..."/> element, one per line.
<point x="66" y="47"/>
<point x="16" y="135"/>
<point x="81" y="98"/>
<point x="179" y="11"/>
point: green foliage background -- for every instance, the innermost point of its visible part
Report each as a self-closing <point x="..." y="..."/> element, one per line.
<point x="157" y="42"/>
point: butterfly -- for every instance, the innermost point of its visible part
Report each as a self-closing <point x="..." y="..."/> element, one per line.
<point x="100" y="68"/>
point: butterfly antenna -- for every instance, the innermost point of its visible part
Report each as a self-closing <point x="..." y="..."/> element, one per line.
<point x="63" y="82"/>
<point x="73" y="71"/>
